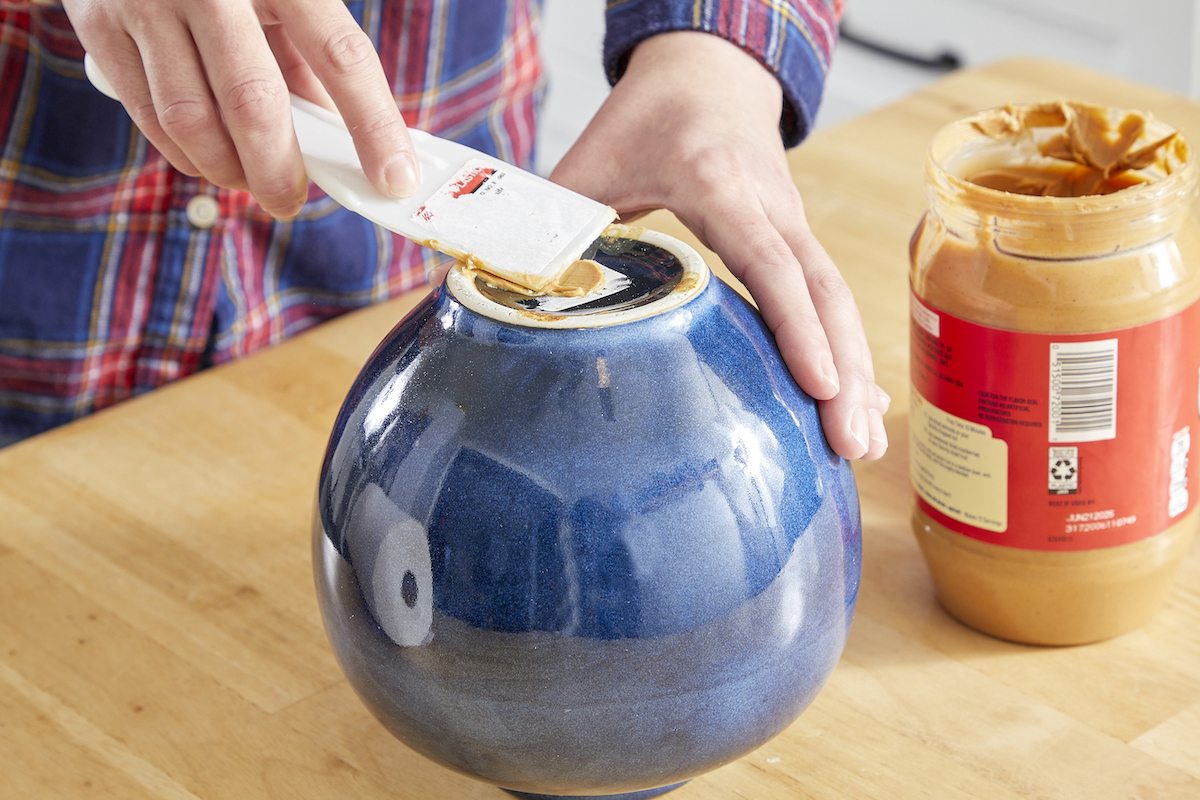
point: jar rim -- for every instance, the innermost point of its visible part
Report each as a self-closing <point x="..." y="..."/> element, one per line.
<point x="953" y="137"/>
<point x="693" y="276"/>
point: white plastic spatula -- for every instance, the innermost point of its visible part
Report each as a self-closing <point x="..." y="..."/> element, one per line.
<point x="470" y="206"/>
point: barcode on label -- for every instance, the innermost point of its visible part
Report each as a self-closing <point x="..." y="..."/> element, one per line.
<point x="1083" y="391"/>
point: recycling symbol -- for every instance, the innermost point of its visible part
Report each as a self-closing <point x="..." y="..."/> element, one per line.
<point x="1063" y="470"/>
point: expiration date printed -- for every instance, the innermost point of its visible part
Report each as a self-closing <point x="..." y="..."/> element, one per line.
<point x="1090" y="521"/>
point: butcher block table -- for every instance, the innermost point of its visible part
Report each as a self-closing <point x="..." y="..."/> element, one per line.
<point x="159" y="633"/>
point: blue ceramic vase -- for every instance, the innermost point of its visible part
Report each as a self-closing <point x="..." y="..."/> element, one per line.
<point x="591" y="546"/>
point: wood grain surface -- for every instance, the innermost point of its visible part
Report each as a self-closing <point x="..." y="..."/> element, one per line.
<point x="159" y="633"/>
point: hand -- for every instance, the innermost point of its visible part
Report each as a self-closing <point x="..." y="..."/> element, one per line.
<point x="207" y="82"/>
<point x="693" y="126"/>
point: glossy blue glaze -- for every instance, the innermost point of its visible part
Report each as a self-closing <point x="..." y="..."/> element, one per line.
<point x="584" y="561"/>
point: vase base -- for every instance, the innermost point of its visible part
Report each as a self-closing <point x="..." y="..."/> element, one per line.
<point x="645" y="794"/>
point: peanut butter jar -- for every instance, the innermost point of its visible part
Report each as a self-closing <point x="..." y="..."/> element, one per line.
<point x="1055" y="364"/>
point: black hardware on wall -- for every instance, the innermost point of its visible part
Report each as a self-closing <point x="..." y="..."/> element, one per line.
<point x="946" y="61"/>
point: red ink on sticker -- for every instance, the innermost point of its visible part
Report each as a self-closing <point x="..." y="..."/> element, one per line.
<point x="470" y="183"/>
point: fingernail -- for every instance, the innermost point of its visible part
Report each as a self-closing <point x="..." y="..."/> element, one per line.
<point x="885" y="400"/>
<point x="859" y="428"/>
<point x="829" y="373"/>
<point x="878" y="431"/>
<point x="288" y="213"/>
<point x="402" y="175"/>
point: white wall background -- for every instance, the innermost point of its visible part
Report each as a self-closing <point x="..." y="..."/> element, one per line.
<point x="1153" y="41"/>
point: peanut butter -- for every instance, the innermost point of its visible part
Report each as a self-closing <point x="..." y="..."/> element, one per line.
<point x="1086" y="154"/>
<point x="1059" y="218"/>
<point x="626" y="274"/>
<point x="580" y="278"/>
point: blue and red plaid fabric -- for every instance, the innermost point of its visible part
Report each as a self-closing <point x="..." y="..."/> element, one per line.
<point x="107" y="290"/>
<point x="792" y="38"/>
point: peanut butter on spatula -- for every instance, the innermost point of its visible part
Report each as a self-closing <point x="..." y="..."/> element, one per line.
<point x="582" y="277"/>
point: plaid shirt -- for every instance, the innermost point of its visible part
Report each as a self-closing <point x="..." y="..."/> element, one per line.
<point x="119" y="274"/>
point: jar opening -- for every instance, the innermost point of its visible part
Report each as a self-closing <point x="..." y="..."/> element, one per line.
<point x="642" y="273"/>
<point x="1060" y="149"/>
<point x="634" y="273"/>
<point x="1152" y="173"/>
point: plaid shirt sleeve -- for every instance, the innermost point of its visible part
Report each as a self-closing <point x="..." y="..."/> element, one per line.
<point x="792" y="38"/>
<point x="119" y="274"/>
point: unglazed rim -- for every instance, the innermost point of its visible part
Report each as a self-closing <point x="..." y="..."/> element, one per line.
<point x="693" y="281"/>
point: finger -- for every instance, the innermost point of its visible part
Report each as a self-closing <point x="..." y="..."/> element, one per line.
<point x="253" y="101"/>
<point x="117" y="56"/>
<point x="759" y="255"/>
<point x="853" y="419"/>
<point x="184" y="110"/>
<point x="760" y="258"/>
<point x="809" y="309"/>
<point x="297" y="74"/>
<point x="344" y="60"/>
<point x="883" y="400"/>
<point x="879" y="437"/>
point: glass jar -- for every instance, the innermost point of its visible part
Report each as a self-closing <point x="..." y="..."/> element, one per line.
<point x="1055" y="363"/>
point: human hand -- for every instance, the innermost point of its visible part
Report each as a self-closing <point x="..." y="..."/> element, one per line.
<point x="207" y="82"/>
<point x="693" y="127"/>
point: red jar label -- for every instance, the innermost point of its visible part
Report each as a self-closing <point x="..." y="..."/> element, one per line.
<point x="1054" y="441"/>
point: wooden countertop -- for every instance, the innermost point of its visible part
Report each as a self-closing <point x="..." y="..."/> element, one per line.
<point x="159" y="634"/>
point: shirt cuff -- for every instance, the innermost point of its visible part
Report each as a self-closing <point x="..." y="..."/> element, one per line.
<point x="794" y="39"/>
